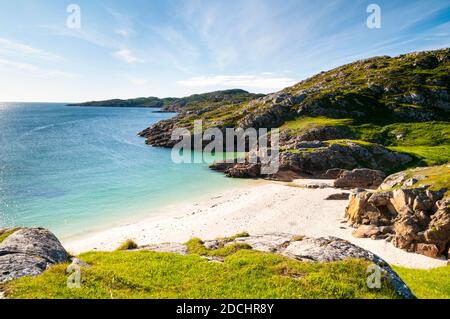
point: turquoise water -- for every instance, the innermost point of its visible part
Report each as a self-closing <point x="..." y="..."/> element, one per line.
<point x="75" y="170"/>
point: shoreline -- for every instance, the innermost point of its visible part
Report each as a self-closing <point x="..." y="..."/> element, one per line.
<point x="257" y="208"/>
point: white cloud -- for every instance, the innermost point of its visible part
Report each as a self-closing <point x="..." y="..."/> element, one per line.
<point x="9" y="46"/>
<point x="32" y="69"/>
<point x="126" y="56"/>
<point x="123" y="32"/>
<point x="248" y="81"/>
<point x="137" y="81"/>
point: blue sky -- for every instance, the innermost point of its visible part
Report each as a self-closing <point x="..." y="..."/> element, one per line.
<point x="165" y="48"/>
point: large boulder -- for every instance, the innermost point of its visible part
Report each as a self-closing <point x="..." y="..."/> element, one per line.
<point x="29" y="252"/>
<point x="360" y="178"/>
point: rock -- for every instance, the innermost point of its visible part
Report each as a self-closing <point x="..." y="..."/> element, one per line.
<point x="392" y="181"/>
<point x="406" y="232"/>
<point x="29" y="252"/>
<point x="334" y="173"/>
<point x="246" y="170"/>
<point x="356" y="208"/>
<point x="160" y="134"/>
<point x="402" y="200"/>
<point x="79" y="263"/>
<point x="339" y="196"/>
<point x="312" y="144"/>
<point x="221" y="166"/>
<point x="317" y="134"/>
<point x="212" y="244"/>
<point x="346" y="155"/>
<point x="428" y="250"/>
<point x="166" y="248"/>
<point x="438" y="231"/>
<point x="363" y="178"/>
<point x="418" y="217"/>
<point x="366" y="231"/>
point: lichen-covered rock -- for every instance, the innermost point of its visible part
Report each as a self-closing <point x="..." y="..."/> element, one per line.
<point x="28" y="252"/>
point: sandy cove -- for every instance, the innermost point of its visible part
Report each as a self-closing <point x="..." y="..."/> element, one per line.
<point x="262" y="207"/>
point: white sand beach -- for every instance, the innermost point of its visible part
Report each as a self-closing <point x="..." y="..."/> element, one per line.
<point x="262" y="207"/>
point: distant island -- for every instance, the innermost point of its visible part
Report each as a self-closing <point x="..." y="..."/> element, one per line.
<point x="172" y="104"/>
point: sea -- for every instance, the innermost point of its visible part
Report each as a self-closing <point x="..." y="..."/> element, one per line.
<point x="76" y="170"/>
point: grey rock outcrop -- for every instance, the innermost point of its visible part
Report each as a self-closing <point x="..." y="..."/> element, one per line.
<point x="360" y="178"/>
<point x="29" y="252"/>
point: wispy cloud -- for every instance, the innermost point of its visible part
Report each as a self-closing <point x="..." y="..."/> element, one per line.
<point x="125" y="23"/>
<point x="123" y="32"/>
<point x="127" y="56"/>
<point x="17" y="48"/>
<point x="35" y="70"/>
<point x="266" y="82"/>
<point x="137" y="81"/>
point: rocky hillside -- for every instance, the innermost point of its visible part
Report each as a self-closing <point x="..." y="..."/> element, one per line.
<point x="384" y="113"/>
<point x="410" y="208"/>
<point x="197" y="101"/>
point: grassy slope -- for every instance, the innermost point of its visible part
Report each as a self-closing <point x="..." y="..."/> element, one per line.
<point x="427" y="284"/>
<point x="243" y="274"/>
<point x="427" y="142"/>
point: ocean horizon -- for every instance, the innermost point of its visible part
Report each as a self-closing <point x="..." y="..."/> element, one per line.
<point x="75" y="170"/>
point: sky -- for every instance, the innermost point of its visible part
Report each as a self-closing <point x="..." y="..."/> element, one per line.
<point x="83" y="50"/>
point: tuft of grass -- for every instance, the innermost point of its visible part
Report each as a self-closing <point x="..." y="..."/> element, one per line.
<point x="427" y="284"/>
<point x="129" y="244"/>
<point x="196" y="246"/>
<point x="234" y="237"/>
<point x="6" y="233"/>
<point x="245" y="274"/>
<point x="298" y="238"/>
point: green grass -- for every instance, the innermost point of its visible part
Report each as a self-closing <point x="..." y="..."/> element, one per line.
<point x="345" y="142"/>
<point x="427" y="142"/>
<point x="306" y="123"/>
<point x="6" y="234"/>
<point x="195" y="246"/>
<point x="425" y="155"/>
<point x="409" y="134"/>
<point x="243" y="274"/>
<point x="427" y="284"/>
